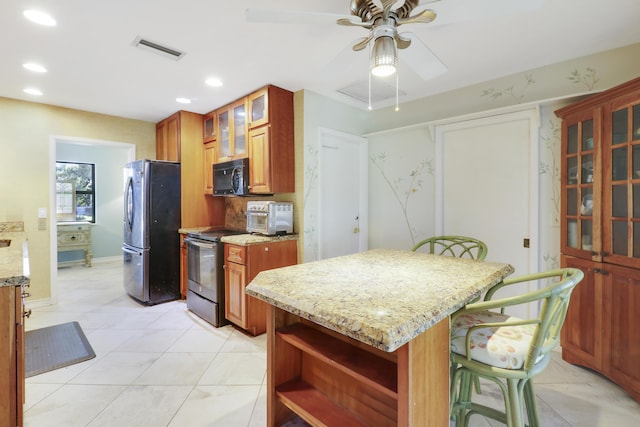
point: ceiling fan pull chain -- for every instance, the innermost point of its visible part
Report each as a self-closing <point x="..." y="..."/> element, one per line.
<point x="369" y="74"/>
<point x="397" y="107"/>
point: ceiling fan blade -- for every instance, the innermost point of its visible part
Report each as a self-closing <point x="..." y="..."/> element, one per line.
<point x="353" y="21"/>
<point x="424" y="17"/>
<point x="295" y="17"/>
<point x="362" y="43"/>
<point x="402" y="42"/>
<point x="420" y="58"/>
<point x="456" y="11"/>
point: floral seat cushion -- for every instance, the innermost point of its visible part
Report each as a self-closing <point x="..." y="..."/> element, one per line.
<point x="502" y="347"/>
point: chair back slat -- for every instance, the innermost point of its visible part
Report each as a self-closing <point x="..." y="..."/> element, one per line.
<point x="456" y="246"/>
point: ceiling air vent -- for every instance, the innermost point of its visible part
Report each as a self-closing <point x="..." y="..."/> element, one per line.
<point x="157" y="48"/>
<point x="380" y="91"/>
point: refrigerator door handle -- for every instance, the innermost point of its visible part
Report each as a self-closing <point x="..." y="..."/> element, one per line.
<point x="128" y="204"/>
<point x="129" y="251"/>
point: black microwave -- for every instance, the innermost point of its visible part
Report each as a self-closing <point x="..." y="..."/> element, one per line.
<point x="231" y="178"/>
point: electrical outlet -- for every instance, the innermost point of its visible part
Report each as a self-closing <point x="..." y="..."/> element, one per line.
<point x="42" y="223"/>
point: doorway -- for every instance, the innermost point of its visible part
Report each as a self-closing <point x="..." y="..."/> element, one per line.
<point x="109" y="158"/>
<point x="342" y="185"/>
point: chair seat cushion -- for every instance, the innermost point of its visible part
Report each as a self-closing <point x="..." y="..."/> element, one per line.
<point x="502" y="347"/>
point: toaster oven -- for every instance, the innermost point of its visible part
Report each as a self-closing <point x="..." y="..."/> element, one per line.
<point x="269" y="218"/>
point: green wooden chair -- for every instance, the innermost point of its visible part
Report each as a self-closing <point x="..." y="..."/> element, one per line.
<point x="509" y="351"/>
<point x="457" y="246"/>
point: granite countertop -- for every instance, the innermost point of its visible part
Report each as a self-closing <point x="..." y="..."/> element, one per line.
<point x="381" y="297"/>
<point x="14" y="259"/>
<point x="194" y="229"/>
<point x="245" y="239"/>
<point x="256" y="239"/>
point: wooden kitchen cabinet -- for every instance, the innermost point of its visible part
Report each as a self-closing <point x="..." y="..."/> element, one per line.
<point x="600" y="232"/>
<point x="209" y="127"/>
<point x="12" y="388"/>
<point x="197" y="209"/>
<point x="209" y="158"/>
<point x="271" y="141"/>
<point x="168" y="138"/>
<point x="242" y="264"/>
<point x="232" y="131"/>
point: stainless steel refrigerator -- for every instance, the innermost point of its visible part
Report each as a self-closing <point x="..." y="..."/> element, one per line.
<point x="151" y="246"/>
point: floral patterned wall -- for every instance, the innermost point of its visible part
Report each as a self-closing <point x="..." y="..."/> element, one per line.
<point x="401" y="171"/>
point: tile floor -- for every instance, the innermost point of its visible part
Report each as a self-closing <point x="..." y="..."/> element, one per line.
<point x="164" y="366"/>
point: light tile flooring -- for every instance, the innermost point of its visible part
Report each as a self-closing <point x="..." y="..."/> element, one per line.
<point x="163" y="366"/>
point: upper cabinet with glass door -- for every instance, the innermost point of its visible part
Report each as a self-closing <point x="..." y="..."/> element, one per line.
<point x="258" y="104"/>
<point x="621" y="181"/>
<point x="580" y="237"/>
<point x="209" y="127"/>
<point x="232" y="131"/>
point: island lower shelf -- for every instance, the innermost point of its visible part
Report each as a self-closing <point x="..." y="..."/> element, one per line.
<point x="328" y="379"/>
<point x="332" y="376"/>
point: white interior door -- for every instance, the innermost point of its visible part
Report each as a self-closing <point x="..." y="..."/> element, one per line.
<point x="343" y="194"/>
<point x="488" y="187"/>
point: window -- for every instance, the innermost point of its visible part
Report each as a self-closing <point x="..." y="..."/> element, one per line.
<point x="75" y="192"/>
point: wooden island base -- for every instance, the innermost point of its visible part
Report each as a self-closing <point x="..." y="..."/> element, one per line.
<point x="329" y="379"/>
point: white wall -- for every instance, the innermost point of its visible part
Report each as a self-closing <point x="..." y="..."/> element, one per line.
<point x="401" y="188"/>
<point x="401" y="212"/>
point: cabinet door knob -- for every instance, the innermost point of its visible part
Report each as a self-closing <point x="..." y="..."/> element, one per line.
<point x="266" y="248"/>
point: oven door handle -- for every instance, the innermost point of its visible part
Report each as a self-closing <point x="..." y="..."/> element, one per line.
<point x="199" y="243"/>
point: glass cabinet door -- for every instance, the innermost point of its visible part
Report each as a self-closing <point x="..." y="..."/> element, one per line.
<point x="240" y="131"/>
<point x="208" y="127"/>
<point x="224" y="143"/>
<point x="258" y="108"/>
<point x="621" y="191"/>
<point x="579" y="181"/>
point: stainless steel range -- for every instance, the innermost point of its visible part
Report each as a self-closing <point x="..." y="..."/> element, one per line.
<point x="205" y="260"/>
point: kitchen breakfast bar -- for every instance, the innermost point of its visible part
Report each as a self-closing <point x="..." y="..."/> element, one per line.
<point x="363" y="339"/>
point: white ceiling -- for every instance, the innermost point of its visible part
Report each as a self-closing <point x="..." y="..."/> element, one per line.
<point x="92" y="65"/>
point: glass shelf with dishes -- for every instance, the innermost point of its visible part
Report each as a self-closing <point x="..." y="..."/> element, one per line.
<point x="578" y="212"/>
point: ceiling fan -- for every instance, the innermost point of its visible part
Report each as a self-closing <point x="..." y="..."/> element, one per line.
<point x="382" y="19"/>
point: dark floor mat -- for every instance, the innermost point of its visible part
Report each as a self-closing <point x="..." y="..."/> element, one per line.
<point x="55" y="347"/>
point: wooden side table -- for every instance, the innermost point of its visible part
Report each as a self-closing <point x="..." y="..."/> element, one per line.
<point x="75" y="236"/>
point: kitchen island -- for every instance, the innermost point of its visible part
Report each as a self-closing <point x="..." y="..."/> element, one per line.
<point x="363" y="339"/>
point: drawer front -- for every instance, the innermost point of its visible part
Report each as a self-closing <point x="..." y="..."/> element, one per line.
<point x="72" y="228"/>
<point x="234" y="253"/>
<point x="72" y="238"/>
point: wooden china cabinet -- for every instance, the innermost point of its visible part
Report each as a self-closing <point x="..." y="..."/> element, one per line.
<point x="600" y="232"/>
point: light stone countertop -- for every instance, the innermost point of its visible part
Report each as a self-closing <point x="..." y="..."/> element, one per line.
<point x="255" y="239"/>
<point x="381" y="297"/>
<point x="14" y="259"/>
<point x="194" y="229"/>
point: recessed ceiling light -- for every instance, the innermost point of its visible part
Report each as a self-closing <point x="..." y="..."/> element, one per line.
<point x="39" y="17"/>
<point x="215" y="82"/>
<point x="34" y="67"/>
<point x="183" y="100"/>
<point x="32" y="91"/>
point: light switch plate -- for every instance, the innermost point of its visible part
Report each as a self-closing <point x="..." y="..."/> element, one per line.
<point x="42" y="212"/>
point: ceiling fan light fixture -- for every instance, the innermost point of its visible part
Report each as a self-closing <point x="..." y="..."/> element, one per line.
<point x="384" y="57"/>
